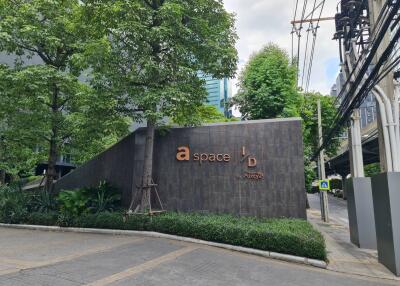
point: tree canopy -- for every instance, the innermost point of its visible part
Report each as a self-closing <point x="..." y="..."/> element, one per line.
<point x="46" y="105"/>
<point x="268" y="89"/>
<point x="267" y="85"/>
<point x="202" y="114"/>
<point x="155" y="50"/>
<point x="308" y="113"/>
<point x="151" y="56"/>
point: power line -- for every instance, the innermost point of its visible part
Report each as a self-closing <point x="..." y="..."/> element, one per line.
<point x="355" y="95"/>
<point x="313" y="46"/>
<point x="310" y="28"/>
<point x="293" y="27"/>
<point x="297" y="27"/>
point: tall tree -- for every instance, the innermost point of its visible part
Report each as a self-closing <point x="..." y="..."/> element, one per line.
<point x="153" y="54"/>
<point x="48" y="98"/>
<point x="267" y="85"/>
<point x="17" y="153"/>
<point x="268" y="89"/>
<point x="308" y="113"/>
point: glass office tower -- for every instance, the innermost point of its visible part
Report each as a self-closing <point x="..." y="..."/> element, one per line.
<point x="219" y="92"/>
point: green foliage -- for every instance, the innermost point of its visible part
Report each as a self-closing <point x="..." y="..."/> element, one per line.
<point x="89" y="200"/>
<point x="14" y="205"/>
<point x="309" y="172"/>
<point x="44" y="202"/>
<point x="296" y="237"/>
<point x="42" y="218"/>
<point x="372" y="169"/>
<point x="46" y="109"/>
<point x="73" y="203"/>
<point x="201" y="114"/>
<point x="308" y="112"/>
<point x="156" y="49"/>
<point x="291" y="236"/>
<point x="267" y="89"/>
<point x="104" y="198"/>
<point x="267" y="86"/>
<point x="336" y="184"/>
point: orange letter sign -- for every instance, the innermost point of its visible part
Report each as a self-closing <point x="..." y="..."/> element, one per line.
<point x="252" y="162"/>
<point x="183" y="154"/>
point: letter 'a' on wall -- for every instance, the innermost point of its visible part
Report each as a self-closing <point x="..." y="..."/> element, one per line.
<point x="183" y="154"/>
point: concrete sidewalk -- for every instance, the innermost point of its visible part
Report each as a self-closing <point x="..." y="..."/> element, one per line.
<point x="343" y="256"/>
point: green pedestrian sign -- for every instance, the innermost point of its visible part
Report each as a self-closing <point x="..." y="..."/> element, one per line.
<point x="325" y="185"/>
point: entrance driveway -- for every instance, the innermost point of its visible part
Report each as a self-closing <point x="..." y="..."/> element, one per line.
<point x="51" y="258"/>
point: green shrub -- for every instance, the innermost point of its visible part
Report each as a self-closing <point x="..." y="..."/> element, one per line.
<point x="73" y="203"/>
<point x="77" y="202"/>
<point x="103" y="198"/>
<point x="43" y="201"/>
<point x="372" y="169"/>
<point x="290" y="236"/>
<point x="314" y="189"/>
<point x="105" y="220"/>
<point x="40" y="218"/>
<point x="336" y="184"/>
<point x="14" y="205"/>
<point x="65" y="219"/>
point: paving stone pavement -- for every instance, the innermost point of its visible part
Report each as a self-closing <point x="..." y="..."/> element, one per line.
<point x="29" y="257"/>
<point x="344" y="256"/>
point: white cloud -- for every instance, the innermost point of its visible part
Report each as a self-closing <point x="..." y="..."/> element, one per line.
<point x="262" y="21"/>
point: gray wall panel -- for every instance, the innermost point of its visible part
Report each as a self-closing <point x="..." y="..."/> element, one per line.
<point x="212" y="186"/>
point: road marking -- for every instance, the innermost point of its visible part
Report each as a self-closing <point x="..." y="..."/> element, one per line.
<point x="142" y="267"/>
<point x="10" y="271"/>
<point x="19" y="264"/>
<point x="90" y="251"/>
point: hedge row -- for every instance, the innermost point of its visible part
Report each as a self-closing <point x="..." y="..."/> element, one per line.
<point x="290" y="236"/>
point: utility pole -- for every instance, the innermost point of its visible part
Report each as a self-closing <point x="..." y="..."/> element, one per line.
<point x="323" y="194"/>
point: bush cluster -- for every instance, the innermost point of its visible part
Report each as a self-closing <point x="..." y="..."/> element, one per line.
<point x="290" y="236"/>
<point x="17" y="205"/>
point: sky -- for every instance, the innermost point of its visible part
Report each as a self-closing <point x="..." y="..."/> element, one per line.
<point x="259" y="22"/>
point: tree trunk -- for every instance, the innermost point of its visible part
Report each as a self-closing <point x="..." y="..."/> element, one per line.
<point x="2" y="177"/>
<point x="147" y="167"/>
<point x="51" y="173"/>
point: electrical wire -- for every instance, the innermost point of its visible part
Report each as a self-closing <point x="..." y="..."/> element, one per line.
<point x="293" y="27"/>
<point x="355" y="95"/>
<point x="315" y="32"/>
<point x="310" y="29"/>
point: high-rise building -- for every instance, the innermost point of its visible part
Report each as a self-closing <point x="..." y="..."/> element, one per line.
<point x="219" y="92"/>
<point x="367" y="108"/>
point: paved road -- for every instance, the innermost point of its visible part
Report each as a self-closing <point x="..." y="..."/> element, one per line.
<point x="50" y="258"/>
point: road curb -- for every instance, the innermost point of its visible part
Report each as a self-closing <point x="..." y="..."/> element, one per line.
<point x="267" y="254"/>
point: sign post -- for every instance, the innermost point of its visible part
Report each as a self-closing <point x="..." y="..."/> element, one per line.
<point x="322" y="174"/>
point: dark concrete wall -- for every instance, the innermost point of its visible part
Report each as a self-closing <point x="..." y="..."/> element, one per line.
<point x="114" y="165"/>
<point x="212" y="186"/>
